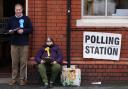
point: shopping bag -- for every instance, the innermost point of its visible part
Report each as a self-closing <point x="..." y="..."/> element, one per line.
<point x="71" y="77"/>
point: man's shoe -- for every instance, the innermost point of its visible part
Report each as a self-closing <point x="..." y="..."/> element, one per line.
<point x="22" y="82"/>
<point x="12" y="82"/>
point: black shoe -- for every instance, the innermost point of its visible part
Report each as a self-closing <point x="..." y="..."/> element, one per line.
<point x="45" y="87"/>
<point x="51" y="85"/>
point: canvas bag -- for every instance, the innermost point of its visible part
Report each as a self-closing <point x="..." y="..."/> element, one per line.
<point x="71" y="77"/>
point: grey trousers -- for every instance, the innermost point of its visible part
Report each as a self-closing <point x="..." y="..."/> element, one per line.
<point x="19" y="56"/>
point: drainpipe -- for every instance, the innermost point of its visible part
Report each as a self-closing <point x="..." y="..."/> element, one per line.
<point x="68" y="32"/>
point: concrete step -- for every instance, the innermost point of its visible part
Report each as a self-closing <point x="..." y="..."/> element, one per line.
<point x="4" y="80"/>
<point x="5" y="75"/>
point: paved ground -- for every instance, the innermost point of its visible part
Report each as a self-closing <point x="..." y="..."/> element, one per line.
<point x="102" y="86"/>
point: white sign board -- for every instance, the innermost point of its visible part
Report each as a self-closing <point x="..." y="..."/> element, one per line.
<point x="100" y="45"/>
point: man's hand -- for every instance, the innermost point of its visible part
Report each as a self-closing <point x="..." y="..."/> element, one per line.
<point x="11" y="32"/>
<point x="20" y="31"/>
<point x="42" y="62"/>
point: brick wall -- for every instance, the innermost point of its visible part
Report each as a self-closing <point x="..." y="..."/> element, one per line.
<point x="56" y="22"/>
<point x="92" y="69"/>
<point x="49" y="19"/>
<point x="100" y="70"/>
<point x="37" y="13"/>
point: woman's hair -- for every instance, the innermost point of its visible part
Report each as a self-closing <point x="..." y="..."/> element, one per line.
<point x="49" y="39"/>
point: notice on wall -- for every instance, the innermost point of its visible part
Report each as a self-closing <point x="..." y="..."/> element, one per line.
<point x="100" y="45"/>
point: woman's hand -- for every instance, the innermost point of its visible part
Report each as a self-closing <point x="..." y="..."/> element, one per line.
<point x="11" y="31"/>
<point x="42" y="62"/>
<point x="54" y="62"/>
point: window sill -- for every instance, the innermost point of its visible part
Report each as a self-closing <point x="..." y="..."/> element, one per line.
<point x="102" y="23"/>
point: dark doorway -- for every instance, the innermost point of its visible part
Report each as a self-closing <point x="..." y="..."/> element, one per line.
<point x="7" y="10"/>
<point x="9" y="6"/>
<point x="5" y="57"/>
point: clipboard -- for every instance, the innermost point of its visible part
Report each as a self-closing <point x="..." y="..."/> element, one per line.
<point x="47" y="60"/>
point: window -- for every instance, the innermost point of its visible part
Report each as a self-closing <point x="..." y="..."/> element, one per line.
<point x="105" y="7"/>
<point x="104" y="12"/>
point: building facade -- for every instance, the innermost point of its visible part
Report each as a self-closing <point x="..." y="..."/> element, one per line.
<point x="49" y="18"/>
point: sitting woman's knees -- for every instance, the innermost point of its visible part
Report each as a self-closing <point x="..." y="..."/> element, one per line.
<point x="40" y="66"/>
<point x="57" y="66"/>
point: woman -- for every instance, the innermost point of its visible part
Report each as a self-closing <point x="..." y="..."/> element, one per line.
<point x="49" y="55"/>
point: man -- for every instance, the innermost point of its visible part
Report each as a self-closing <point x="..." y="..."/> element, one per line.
<point x="49" y="56"/>
<point x="19" y="26"/>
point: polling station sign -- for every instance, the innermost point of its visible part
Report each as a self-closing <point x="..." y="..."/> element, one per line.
<point x="99" y="45"/>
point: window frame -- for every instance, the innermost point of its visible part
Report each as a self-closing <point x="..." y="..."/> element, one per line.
<point x="101" y="21"/>
<point x="26" y="9"/>
<point x="102" y="17"/>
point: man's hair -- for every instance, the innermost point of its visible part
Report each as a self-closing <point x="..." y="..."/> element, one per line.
<point x="18" y="4"/>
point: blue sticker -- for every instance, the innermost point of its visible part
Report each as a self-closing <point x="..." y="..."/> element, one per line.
<point x="21" y="22"/>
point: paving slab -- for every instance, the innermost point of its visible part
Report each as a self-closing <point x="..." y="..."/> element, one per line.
<point x="88" y="86"/>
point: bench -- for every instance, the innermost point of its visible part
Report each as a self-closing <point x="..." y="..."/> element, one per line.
<point x="31" y="62"/>
<point x="33" y="74"/>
